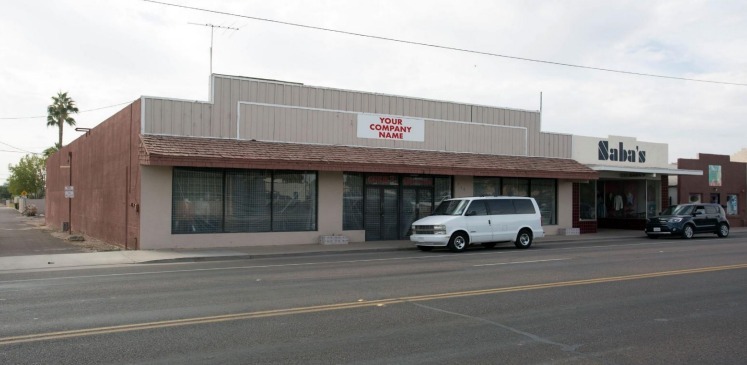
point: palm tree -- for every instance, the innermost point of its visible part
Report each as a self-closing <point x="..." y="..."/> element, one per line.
<point x="58" y="113"/>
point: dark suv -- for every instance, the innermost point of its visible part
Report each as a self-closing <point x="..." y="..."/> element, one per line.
<point x="688" y="219"/>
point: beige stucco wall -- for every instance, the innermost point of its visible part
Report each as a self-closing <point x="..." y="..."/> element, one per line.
<point x="155" y="219"/>
<point x="565" y="208"/>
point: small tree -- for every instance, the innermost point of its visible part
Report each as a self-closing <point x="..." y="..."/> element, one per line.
<point x="51" y="150"/>
<point x="58" y="113"/>
<point x="28" y="175"/>
<point x="4" y="193"/>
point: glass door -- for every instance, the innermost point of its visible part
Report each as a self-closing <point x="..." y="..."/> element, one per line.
<point x="417" y="202"/>
<point x="381" y="213"/>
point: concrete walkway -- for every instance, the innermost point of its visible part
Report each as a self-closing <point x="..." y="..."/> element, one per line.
<point x="42" y="251"/>
<point x="93" y="259"/>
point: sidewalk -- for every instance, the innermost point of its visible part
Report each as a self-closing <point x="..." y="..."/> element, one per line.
<point x="93" y="259"/>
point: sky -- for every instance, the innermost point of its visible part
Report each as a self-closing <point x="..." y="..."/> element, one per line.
<point x="106" y="54"/>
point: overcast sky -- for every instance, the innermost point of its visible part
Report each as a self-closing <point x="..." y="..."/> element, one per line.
<point x="112" y="52"/>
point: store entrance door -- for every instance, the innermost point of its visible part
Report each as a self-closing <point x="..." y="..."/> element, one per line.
<point x="381" y="213"/>
<point x="417" y="202"/>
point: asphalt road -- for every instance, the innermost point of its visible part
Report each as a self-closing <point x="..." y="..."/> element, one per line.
<point x="19" y="238"/>
<point x="633" y="301"/>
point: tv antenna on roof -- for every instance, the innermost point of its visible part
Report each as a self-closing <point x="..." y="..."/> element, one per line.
<point x="212" y="29"/>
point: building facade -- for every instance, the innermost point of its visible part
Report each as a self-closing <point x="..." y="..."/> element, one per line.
<point x="724" y="182"/>
<point x="633" y="182"/>
<point x="270" y="162"/>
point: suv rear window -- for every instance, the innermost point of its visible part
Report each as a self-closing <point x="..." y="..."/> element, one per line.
<point x="524" y="206"/>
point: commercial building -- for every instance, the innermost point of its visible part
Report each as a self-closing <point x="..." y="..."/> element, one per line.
<point x="270" y="162"/>
<point x="724" y="182"/>
<point x="633" y="182"/>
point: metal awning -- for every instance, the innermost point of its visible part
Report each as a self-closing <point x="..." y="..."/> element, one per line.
<point x="646" y="170"/>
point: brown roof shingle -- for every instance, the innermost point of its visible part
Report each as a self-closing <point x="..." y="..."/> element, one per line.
<point x="161" y="150"/>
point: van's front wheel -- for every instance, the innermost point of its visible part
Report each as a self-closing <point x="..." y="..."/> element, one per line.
<point x="524" y="239"/>
<point x="458" y="242"/>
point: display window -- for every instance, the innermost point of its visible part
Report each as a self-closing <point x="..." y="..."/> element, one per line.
<point x="628" y="199"/>
<point x="732" y="205"/>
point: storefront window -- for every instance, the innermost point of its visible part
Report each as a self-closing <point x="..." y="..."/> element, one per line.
<point x="442" y="189"/>
<point x="294" y="202"/>
<point x="653" y="198"/>
<point x="695" y="197"/>
<point x="352" y="201"/>
<point x="626" y="198"/>
<point x="587" y="201"/>
<point x="486" y="186"/>
<point x="248" y="206"/>
<point x="732" y="205"/>
<point x="515" y="187"/>
<point x="543" y="191"/>
<point x="254" y="201"/>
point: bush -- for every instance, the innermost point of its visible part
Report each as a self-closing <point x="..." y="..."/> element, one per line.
<point x="30" y="210"/>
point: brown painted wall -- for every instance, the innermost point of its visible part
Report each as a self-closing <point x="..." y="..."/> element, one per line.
<point x="733" y="181"/>
<point x="105" y="176"/>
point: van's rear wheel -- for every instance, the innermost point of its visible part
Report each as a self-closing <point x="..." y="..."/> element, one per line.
<point x="458" y="242"/>
<point x="524" y="239"/>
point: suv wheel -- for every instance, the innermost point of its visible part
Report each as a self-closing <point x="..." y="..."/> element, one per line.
<point x="458" y="242"/>
<point x="688" y="232"/>
<point x="523" y="239"/>
<point x="723" y="230"/>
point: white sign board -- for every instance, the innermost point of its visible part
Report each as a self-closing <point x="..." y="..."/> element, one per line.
<point x="620" y="151"/>
<point x="69" y="192"/>
<point x="390" y="127"/>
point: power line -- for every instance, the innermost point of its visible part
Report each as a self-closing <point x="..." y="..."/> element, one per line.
<point x="443" y="47"/>
<point x="82" y="111"/>
<point x="20" y="150"/>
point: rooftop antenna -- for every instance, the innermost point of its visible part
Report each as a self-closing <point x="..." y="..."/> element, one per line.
<point x="212" y="29"/>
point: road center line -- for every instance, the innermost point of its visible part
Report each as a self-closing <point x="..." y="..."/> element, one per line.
<point x="520" y="262"/>
<point x="350" y="305"/>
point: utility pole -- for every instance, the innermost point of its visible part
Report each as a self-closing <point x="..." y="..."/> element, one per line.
<point x="212" y="29"/>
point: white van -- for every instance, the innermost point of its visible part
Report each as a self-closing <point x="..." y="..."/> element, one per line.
<point x="458" y="223"/>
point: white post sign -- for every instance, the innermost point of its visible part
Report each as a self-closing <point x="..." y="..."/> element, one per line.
<point x="69" y="192"/>
<point x="390" y="127"/>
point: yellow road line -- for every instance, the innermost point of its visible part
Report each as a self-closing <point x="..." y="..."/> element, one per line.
<point x="350" y="305"/>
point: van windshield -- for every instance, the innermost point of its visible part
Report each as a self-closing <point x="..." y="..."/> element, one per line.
<point x="451" y="207"/>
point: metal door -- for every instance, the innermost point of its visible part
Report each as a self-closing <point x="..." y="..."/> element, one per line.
<point x="381" y="213"/>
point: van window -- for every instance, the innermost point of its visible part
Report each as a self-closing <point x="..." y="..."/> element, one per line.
<point x="477" y="208"/>
<point x="451" y="207"/>
<point x="501" y="206"/>
<point x="524" y="206"/>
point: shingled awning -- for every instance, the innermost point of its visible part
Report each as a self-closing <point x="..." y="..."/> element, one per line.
<point x="159" y="150"/>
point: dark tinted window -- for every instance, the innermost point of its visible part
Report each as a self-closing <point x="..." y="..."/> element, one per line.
<point x="501" y="206"/>
<point x="711" y="209"/>
<point x="477" y="208"/>
<point x="524" y="206"/>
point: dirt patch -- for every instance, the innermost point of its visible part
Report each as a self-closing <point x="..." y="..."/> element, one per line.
<point x="88" y="244"/>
